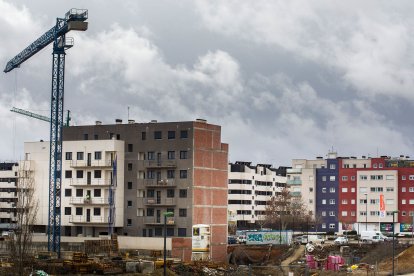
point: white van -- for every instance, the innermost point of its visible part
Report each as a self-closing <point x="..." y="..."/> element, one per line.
<point x="318" y="239"/>
<point x="373" y="236"/>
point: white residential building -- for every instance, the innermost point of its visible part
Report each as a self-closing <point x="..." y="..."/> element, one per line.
<point x="250" y="187"/>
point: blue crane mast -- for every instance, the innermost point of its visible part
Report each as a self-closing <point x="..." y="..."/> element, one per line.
<point x="74" y="20"/>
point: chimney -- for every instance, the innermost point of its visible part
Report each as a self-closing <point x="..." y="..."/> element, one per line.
<point x="131" y="121"/>
<point x="98" y="123"/>
<point x="201" y="120"/>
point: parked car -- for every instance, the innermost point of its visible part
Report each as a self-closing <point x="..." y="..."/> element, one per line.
<point x="341" y="240"/>
<point x="231" y="240"/>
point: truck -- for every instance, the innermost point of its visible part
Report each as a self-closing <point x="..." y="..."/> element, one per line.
<point x="373" y="236"/>
<point x="318" y="239"/>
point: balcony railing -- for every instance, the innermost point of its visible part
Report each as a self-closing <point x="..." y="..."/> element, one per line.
<point x="160" y="201"/>
<point x="166" y="183"/>
<point x="293" y="171"/>
<point x="163" y="163"/>
<point x="88" y="219"/>
<point x="294" y="182"/>
<point x="92" y="163"/>
<point x="159" y="220"/>
<point x="89" y="201"/>
<point x="92" y="182"/>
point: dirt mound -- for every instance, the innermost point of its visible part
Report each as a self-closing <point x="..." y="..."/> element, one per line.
<point x="403" y="261"/>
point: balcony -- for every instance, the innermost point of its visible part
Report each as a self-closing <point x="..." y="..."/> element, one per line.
<point x="295" y="194"/>
<point x="159" y="220"/>
<point x="293" y="171"/>
<point x="158" y="164"/>
<point x="164" y="183"/>
<point x="294" y="182"/>
<point x="92" y="163"/>
<point x="99" y="182"/>
<point x="160" y="201"/>
<point x="88" y="219"/>
<point x="91" y="201"/>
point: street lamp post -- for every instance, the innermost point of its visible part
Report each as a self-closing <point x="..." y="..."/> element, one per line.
<point x="393" y="240"/>
<point x="366" y="212"/>
<point x="166" y="215"/>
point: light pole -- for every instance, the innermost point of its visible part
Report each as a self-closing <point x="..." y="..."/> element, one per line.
<point x="366" y="211"/>
<point x="166" y="215"/>
<point x="393" y="240"/>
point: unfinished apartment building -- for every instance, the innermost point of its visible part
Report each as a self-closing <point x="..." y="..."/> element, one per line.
<point x="178" y="167"/>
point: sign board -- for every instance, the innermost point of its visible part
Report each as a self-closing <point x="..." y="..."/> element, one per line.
<point x="269" y="237"/>
<point x="386" y="227"/>
<point x="406" y="227"/>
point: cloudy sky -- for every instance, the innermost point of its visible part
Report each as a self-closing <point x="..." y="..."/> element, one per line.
<point x="284" y="79"/>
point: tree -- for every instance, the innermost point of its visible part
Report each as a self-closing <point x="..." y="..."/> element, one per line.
<point x="20" y="244"/>
<point x="283" y="209"/>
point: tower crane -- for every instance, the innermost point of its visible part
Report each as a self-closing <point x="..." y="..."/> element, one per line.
<point x="38" y="116"/>
<point x="74" y="20"/>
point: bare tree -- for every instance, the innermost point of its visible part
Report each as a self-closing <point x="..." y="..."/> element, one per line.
<point x="283" y="210"/>
<point x="20" y="244"/>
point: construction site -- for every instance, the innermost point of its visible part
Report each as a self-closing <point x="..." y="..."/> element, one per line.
<point x="104" y="257"/>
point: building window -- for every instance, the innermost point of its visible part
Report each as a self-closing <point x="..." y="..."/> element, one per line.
<point x="324" y="178"/>
<point x="79" y="156"/>
<point x="96" y="211"/>
<point x="151" y="174"/>
<point x="411" y="189"/>
<point x="79" y="174"/>
<point x="332" y="226"/>
<point x="344" y="201"/>
<point x="129" y="185"/>
<point x="97" y="192"/>
<point x="170" y="193"/>
<point x="310" y="189"/>
<point x="171" y="155"/>
<point x="68" y="156"/>
<point x="353" y="201"/>
<point x="129" y="222"/>
<point x="323" y="201"/>
<point x="353" y="178"/>
<point x="97" y="173"/>
<point x="363" y="177"/>
<point x="323" y="213"/>
<point x="129" y="203"/>
<point x="344" y="190"/>
<point x="411" y="177"/>
<point x="183" y="193"/>
<point x="183" y="134"/>
<point x="171" y="134"/>
<point x="85" y="136"/>
<point x="332" y="166"/>
<point x="389" y="177"/>
<point x="332" y="190"/>
<point x="332" y="178"/>
<point x="68" y="174"/>
<point x="151" y="155"/>
<point x="79" y="211"/>
<point x="183" y="173"/>
<point x="353" y="214"/>
<point x="158" y="232"/>
<point x="95" y="136"/>
<point x="352" y="190"/>
<point x="68" y="211"/>
<point x="130" y="147"/>
<point x="411" y="201"/>
<point x="344" y="213"/>
<point x="332" y="201"/>
<point x="403" y="201"/>
<point x="182" y="212"/>
<point x="143" y="135"/>
<point x="79" y="192"/>
<point x="170" y="232"/>
<point x="170" y="174"/>
<point x="182" y="232"/>
<point x="98" y="155"/>
<point x="324" y="225"/>
<point x="403" y="177"/>
<point x="344" y="178"/>
<point x="157" y="135"/>
<point x="68" y="192"/>
<point x="403" y="189"/>
<point x="183" y="154"/>
<point x="389" y="189"/>
<point x="129" y="166"/>
<point x="323" y="190"/>
<point x="150" y="212"/>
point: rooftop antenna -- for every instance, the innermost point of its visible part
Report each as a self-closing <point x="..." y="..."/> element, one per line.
<point x="128" y="113"/>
